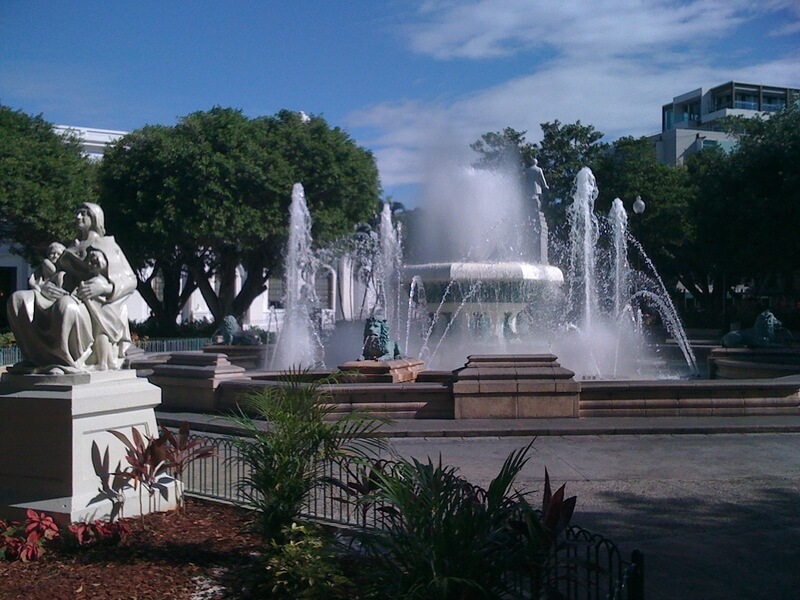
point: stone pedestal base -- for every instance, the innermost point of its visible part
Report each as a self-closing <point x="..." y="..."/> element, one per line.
<point x="753" y="363"/>
<point x="248" y="357"/>
<point x="401" y="370"/>
<point x="521" y="386"/>
<point x="48" y="426"/>
<point x="189" y="380"/>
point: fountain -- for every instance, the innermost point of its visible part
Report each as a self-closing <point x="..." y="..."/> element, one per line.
<point x="495" y="301"/>
<point x="476" y="295"/>
<point x="298" y="342"/>
<point x="480" y="293"/>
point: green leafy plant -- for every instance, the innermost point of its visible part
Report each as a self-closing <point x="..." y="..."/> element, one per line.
<point x="304" y="566"/>
<point x="7" y="340"/>
<point x="288" y="460"/>
<point x="27" y="541"/>
<point x="444" y="537"/>
<point x="360" y="486"/>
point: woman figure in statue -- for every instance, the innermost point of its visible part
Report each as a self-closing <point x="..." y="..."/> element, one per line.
<point x="55" y="325"/>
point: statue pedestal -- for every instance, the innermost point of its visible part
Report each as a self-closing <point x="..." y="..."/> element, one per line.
<point x="401" y="370"/>
<point x="48" y="425"/>
<point x="189" y="380"/>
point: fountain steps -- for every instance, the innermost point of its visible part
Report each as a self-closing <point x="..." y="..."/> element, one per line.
<point x="597" y="398"/>
<point x="690" y="398"/>
<point x="511" y="386"/>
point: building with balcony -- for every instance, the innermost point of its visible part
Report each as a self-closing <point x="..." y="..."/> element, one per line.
<point x="691" y="122"/>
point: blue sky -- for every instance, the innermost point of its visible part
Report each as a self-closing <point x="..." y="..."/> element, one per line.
<point x="413" y="81"/>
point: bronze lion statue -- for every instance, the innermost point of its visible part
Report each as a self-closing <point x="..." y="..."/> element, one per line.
<point x="377" y="345"/>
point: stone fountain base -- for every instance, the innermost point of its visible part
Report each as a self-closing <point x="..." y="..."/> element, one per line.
<point x="753" y="363"/>
<point x="401" y="370"/>
<point x="515" y="386"/>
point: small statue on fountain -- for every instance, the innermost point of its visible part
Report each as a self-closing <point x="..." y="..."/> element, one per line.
<point x="767" y="332"/>
<point x="377" y="345"/>
<point x="534" y="177"/>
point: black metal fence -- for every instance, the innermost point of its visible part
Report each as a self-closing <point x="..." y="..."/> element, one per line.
<point x="12" y="354"/>
<point x="584" y="566"/>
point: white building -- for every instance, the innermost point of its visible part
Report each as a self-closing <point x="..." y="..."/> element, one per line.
<point x="691" y="121"/>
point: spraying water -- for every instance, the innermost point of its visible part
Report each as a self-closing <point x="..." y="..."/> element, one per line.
<point x="618" y="219"/>
<point x="391" y="268"/>
<point x="495" y="303"/>
<point x="298" y="343"/>
<point x="584" y="233"/>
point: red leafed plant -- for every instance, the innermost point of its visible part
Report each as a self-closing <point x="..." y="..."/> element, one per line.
<point x="147" y="464"/>
<point x="150" y="459"/>
<point x="98" y="531"/>
<point x="183" y="449"/>
<point x="26" y="542"/>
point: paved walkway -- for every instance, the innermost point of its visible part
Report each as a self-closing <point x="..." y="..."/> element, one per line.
<point x="714" y="503"/>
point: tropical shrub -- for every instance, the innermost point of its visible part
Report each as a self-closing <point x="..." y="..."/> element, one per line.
<point x="87" y="533"/>
<point x="285" y="462"/>
<point x="150" y="460"/>
<point x="444" y="537"/>
<point x="304" y="566"/>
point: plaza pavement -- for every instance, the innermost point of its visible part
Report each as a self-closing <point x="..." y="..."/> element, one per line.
<point x="713" y="502"/>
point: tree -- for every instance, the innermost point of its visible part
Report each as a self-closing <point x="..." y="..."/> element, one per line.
<point x="43" y="179"/>
<point x="764" y="187"/>
<point x="210" y="195"/>
<point x="565" y="150"/>
<point x="747" y="204"/>
<point x="666" y="229"/>
<point x="503" y="150"/>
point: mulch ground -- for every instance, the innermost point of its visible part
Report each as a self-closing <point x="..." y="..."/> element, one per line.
<point x="205" y="552"/>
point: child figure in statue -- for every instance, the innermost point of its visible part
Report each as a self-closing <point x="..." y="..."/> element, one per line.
<point x="47" y="270"/>
<point x="100" y="355"/>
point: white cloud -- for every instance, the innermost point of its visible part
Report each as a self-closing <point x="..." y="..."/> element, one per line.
<point x="616" y="62"/>
<point x="492" y="28"/>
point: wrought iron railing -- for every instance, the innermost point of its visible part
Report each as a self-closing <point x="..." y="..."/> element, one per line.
<point x="172" y="344"/>
<point x="12" y="355"/>
<point x="584" y="565"/>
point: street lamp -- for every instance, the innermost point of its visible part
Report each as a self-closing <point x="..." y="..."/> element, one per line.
<point x="638" y="205"/>
<point x="638" y="209"/>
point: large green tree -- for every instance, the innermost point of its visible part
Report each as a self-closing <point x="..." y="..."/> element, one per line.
<point x="507" y="149"/>
<point x="564" y="150"/>
<point x="666" y="229"/>
<point x="747" y="204"/>
<point x="43" y="178"/>
<point x="211" y="194"/>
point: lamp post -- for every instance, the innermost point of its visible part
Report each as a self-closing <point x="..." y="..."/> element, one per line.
<point x="638" y="209"/>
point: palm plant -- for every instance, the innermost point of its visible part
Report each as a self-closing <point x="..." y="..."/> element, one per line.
<point x="444" y="537"/>
<point x="288" y="460"/>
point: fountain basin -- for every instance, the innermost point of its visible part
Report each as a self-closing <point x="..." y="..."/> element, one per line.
<point x="518" y="272"/>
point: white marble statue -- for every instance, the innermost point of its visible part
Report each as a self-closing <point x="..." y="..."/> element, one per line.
<point x="76" y="320"/>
